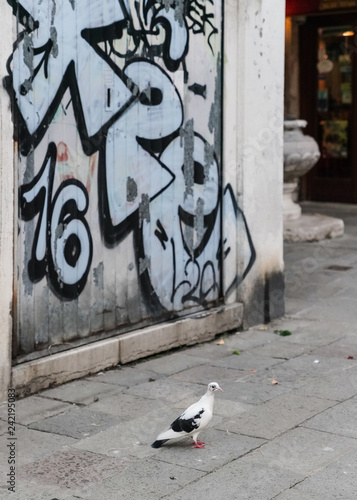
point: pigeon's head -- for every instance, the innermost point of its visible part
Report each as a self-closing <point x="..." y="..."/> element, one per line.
<point x="213" y="386"/>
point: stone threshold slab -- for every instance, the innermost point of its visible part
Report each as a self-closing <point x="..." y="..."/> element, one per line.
<point x="78" y="362"/>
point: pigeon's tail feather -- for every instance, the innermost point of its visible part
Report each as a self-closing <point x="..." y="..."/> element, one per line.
<point x="158" y="443"/>
<point x="170" y="434"/>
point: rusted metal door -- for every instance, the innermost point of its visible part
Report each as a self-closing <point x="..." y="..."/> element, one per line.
<point x="117" y="108"/>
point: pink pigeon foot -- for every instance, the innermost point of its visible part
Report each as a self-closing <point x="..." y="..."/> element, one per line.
<point x="198" y="445"/>
<point x="198" y="442"/>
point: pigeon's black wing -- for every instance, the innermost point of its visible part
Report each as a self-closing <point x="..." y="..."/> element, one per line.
<point x="188" y="422"/>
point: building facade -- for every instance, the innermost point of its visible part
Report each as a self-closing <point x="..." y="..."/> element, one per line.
<point x="141" y="180"/>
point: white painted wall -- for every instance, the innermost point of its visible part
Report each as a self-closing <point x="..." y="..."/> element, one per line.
<point x="253" y="135"/>
<point x="6" y="209"/>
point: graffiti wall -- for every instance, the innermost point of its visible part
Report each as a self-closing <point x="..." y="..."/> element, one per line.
<point x="123" y="215"/>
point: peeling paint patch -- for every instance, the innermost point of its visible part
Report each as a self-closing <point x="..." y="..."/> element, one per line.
<point x="53" y="12"/>
<point x="30" y="168"/>
<point x="167" y="4"/>
<point x="188" y="237"/>
<point x="131" y="266"/>
<point x="144" y="209"/>
<point x="144" y="264"/>
<point x="53" y="36"/>
<point x="214" y="121"/>
<point x="98" y="275"/>
<point x="131" y="189"/>
<point x="199" y="219"/>
<point x="187" y="134"/>
<point x="28" y="51"/>
<point x="179" y="11"/>
<point x="208" y="159"/>
<point x="73" y="4"/>
<point x="59" y="230"/>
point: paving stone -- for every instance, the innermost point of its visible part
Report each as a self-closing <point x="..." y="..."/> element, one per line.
<point x="172" y="363"/>
<point x="341" y="419"/>
<point x="337" y="387"/>
<point x="76" y="423"/>
<point x="70" y="469"/>
<point x="276" y="416"/>
<point x="295" y="325"/>
<point x="239" y="480"/>
<point x="3" y="427"/>
<point x="304" y="281"/>
<point x="251" y="392"/>
<point x="210" y="350"/>
<point x="125" y="406"/>
<point x="347" y="280"/>
<point x="312" y="333"/>
<point x="126" y="376"/>
<point x="248" y="339"/>
<point x="298" y="371"/>
<point x="280" y="350"/>
<point x="336" y="481"/>
<point x="208" y="373"/>
<point x="227" y="408"/>
<point x="221" y="448"/>
<point x="148" y="479"/>
<point x="80" y="391"/>
<point x="293" y="306"/>
<point x="35" y="408"/>
<point x="340" y="349"/>
<point x="130" y="438"/>
<point x="26" y="490"/>
<point x="338" y="309"/>
<point x="311" y="292"/>
<point x="169" y="390"/>
<point x="303" y="450"/>
<point x="294" y="494"/>
<point x="247" y="362"/>
<point x="32" y="444"/>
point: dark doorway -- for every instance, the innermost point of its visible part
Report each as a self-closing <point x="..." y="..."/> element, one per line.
<point x="328" y="85"/>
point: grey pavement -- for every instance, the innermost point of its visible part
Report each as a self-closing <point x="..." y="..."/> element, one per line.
<point x="284" y="428"/>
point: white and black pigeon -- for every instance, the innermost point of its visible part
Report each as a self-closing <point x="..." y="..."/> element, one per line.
<point x="192" y="421"/>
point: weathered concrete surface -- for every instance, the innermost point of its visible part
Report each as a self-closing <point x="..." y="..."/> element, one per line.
<point x="294" y="440"/>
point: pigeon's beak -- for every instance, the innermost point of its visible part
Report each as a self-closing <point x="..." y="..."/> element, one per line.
<point x="220" y="389"/>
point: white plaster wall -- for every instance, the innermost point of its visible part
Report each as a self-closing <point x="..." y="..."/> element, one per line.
<point x="253" y="137"/>
<point x="6" y="210"/>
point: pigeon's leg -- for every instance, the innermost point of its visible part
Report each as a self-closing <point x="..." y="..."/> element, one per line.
<point x="198" y="444"/>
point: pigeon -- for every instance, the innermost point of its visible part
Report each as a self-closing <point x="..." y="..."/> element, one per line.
<point x="192" y="421"/>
